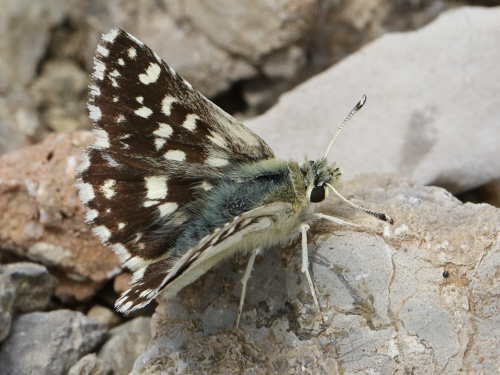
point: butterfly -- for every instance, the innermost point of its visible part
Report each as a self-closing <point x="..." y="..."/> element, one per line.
<point x="174" y="185"/>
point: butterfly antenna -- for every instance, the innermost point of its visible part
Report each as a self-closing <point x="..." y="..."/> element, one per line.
<point x="356" y="108"/>
<point x="378" y="215"/>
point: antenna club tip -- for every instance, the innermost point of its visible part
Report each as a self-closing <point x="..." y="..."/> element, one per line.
<point x="361" y="103"/>
<point x="387" y="218"/>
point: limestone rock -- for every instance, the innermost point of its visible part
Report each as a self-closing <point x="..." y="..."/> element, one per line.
<point x="125" y="344"/>
<point x="34" y="286"/>
<point x="90" y="365"/>
<point x="430" y="113"/>
<point x="418" y="295"/>
<point x="49" y="343"/>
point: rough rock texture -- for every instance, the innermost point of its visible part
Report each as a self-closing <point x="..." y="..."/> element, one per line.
<point x="7" y="300"/>
<point x="24" y="287"/>
<point x="20" y="56"/>
<point x="417" y="297"/>
<point x="34" y="286"/>
<point x="255" y="49"/>
<point x="61" y="93"/>
<point x="42" y="218"/>
<point x="125" y="344"/>
<point x="432" y="96"/>
<point x="420" y="297"/>
<point x="90" y="365"/>
<point x="49" y="343"/>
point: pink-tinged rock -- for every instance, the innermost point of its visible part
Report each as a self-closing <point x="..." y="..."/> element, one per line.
<point x="42" y="217"/>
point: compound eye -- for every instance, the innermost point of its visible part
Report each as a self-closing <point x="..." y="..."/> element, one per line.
<point x="318" y="194"/>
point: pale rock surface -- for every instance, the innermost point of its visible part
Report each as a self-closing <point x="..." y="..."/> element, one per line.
<point x="61" y="93"/>
<point x="125" y="344"/>
<point x="205" y="65"/>
<point x="251" y="29"/>
<point x="90" y="365"/>
<point x="431" y="109"/>
<point x="256" y="49"/>
<point x="20" y="56"/>
<point x="49" y="343"/>
<point x="387" y="306"/>
<point x="18" y="120"/>
<point x="34" y="286"/>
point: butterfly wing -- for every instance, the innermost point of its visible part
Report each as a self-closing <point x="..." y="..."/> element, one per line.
<point x="159" y="145"/>
<point x="168" y="276"/>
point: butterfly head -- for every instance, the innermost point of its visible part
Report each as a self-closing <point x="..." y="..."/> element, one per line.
<point x="317" y="176"/>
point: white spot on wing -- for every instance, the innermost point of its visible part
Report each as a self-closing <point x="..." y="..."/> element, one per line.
<point x="167" y="208"/>
<point x="190" y="121"/>
<point x="206" y="186"/>
<point x="138" y="236"/>
<point x="99" y="69"/>
<point x="85" y="163"/>
<point x="166" y="104"/>
<point x="103" y="51"/>
<point x="94" y="90"/>
<point x="136" y="263"/>
<point x="156" y="187"/>
<point x="121" y="226"/>
<point x="159" y="142"/>
<point x="132" y="52"/>
<point x="95" y="113"/>
<point x="111" y="35"/>
<point x="120" y="119"/>
<point x="102" y="139"/>
<point x="138" y="274"/>
<point x="121" y="62"/>
<point x="125" y="307"/>
<point x="91" y="215"/>
<point x="147" y="293"/>
<point x="164" y="130"/>
<point x="151" y="75"/>
<point x="121" y="251"/>
<point x="178" y="219"/>
<point x="107" y="188"/>
<point x="150" y="203"/>
<point x="217" y="162"/>
<point x="140" y="99"/>
<point x="111" y="161"/>
<point x="175" y="155"/>
<point x="217" y="139"/>
<point x="144" y="112"/>
<point x="102" y="232"/>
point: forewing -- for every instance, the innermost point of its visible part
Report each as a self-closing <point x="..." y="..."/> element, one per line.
<point x="159" y="143"/>
<point x="171" y="275"/>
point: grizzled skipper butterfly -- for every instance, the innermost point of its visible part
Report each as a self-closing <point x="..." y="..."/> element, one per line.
<point x="174" y="185"/>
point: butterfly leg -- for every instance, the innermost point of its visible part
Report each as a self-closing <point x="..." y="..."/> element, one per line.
<point x="305" y="263"/>
<point x="244" y="281"/>
<point x="336" y="220"/>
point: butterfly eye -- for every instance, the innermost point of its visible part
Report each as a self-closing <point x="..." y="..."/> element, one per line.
<point x="318" y="194"/>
